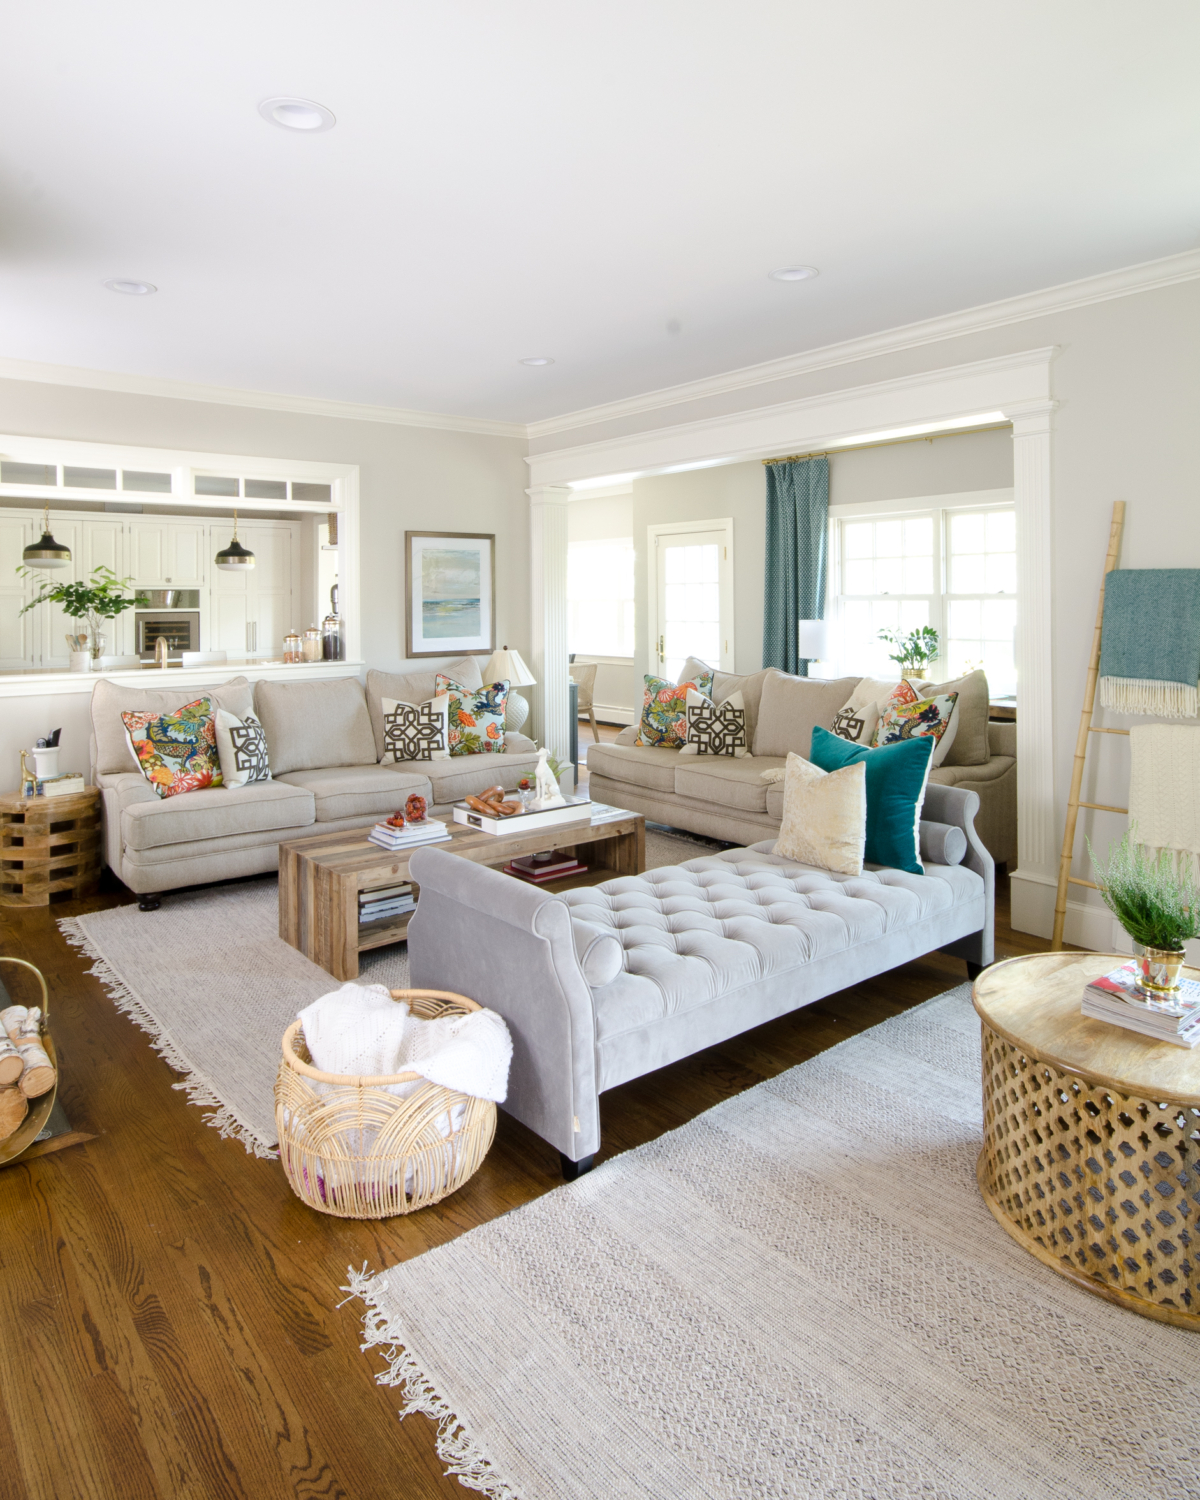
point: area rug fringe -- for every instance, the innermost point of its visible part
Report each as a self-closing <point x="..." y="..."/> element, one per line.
<point x="198" y="1090"/>
<point x="462" y="1455"/>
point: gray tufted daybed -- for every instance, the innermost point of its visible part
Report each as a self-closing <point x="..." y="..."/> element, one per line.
<point x="609" y="982"/>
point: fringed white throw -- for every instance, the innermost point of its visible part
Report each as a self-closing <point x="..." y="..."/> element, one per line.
<point x="798" y="1296"/>
<point x="1164" y="789"/>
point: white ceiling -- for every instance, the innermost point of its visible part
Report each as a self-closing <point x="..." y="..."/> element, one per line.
<point x="567" y="177"/>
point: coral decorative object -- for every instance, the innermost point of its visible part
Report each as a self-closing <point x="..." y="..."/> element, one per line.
<point x="415" y="808"/>
<point x="396" y="820"/>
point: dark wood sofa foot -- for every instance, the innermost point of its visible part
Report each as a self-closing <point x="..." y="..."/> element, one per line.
<point x="148" y="903"/>
<point x="573" y="1169"/>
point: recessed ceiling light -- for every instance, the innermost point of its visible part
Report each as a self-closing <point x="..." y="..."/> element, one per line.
<point x="130" y="288"/>
<point x="539" y="359"/>
<point x="794" y="273"/>
<point x="297" y="114"/>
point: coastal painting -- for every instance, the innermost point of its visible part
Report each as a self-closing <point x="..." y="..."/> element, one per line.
<point x="451" y="593"/>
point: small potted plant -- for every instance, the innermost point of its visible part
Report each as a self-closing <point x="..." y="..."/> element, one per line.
<point x="102" y="598"/>
<point x="1157" y="905"/>
<point x="914" y="651"/>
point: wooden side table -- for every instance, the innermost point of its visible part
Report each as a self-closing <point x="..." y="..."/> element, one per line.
<point x="1091" y="1137"/>
<point x="49" y="848"/>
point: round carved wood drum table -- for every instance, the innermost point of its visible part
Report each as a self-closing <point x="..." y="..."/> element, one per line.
<point x="1091" y="1137"/>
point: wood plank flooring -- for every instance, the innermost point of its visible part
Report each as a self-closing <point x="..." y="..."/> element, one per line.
<point x="169" y="1322"/>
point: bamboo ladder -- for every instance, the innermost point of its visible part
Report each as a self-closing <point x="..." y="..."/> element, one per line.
<point x="1086" y="728"/>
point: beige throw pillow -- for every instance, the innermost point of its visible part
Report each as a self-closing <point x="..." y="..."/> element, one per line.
<point x="824" y="816"/>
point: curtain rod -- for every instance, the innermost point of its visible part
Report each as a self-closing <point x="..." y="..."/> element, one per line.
<point x="925" y="437"/>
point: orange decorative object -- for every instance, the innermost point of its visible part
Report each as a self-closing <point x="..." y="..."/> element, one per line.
<point x="415" y="808"/>
<point x="396" y="820"/>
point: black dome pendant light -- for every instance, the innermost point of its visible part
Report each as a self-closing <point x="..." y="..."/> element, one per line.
<point x="235" y="558"/>
<point x="47" y="553"/>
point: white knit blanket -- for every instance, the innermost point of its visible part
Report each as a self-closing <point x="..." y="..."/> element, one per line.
<point x="1164" y="788"/>
<point x="360" y="1031"/>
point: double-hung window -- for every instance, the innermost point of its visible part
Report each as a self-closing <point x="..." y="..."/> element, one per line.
<point x="600" y="597"/>
<point x="950" y="566"/>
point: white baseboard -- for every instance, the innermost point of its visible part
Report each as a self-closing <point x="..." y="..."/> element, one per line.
<point x="609" y="713"/>
<point x="1033" y="897"/>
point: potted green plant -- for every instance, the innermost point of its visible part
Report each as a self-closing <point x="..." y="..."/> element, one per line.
<point x="914" y="651"/>
<point x="1157" y="904"/>
<point x="102" y="598"/>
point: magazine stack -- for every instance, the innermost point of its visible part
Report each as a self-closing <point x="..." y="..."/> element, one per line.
<point x="1117" y="998"/>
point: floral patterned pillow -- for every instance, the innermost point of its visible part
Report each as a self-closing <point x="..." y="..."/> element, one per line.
<point x="910" y="721"/>
<point x="474" y="720"/>
<point x="664" y="712"/>
<point x="902" y="694"/>
<point x="176" y="752"/>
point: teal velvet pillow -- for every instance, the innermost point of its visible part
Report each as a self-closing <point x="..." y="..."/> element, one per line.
<point x="896" y="777"/>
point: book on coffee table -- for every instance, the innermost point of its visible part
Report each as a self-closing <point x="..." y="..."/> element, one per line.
<point x="575" y="810"/>
<point x="546" y="872"/>
<point x="1117" y="998"/>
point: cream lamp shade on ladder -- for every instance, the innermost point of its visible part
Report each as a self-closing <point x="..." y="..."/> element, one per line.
<point x="507" y="665"/>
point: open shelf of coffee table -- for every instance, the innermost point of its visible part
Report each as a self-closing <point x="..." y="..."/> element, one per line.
<point x="322" y="877"/>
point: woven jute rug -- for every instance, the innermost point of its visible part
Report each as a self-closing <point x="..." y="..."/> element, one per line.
<point x="799" y="1294"/>
<point x="210" y="979"/>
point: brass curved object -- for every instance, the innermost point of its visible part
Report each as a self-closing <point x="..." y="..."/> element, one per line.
<point x="39" y="1109"/>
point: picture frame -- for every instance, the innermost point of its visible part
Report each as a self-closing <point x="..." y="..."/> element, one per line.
<point x="450" y="593"/>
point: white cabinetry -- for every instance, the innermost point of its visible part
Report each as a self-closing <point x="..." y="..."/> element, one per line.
<point x="165" y="553"/>
<point x="251" y="609"/>
<point x="16" y="629"/>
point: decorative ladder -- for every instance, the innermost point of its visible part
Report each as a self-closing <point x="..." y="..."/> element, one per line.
<point x="1086" y="728"/>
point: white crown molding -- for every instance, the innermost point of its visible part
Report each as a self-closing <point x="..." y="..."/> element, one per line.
<point x="219" y="395"/>
<point x="1061" y="298"/>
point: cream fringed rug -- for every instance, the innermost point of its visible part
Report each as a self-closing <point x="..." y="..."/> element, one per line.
<point x="208" y="976"/>
<point x="799" y="1294"/>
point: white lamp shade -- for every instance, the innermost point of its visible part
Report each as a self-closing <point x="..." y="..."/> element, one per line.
<point x="506" y="664"/>
<point x="810" y="639"/>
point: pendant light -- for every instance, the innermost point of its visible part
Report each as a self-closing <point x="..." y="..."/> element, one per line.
<point x="47" y="553"/>
<point x="235" y="558"/>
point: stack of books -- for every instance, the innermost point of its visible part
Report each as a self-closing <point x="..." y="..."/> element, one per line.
<point x="69" y="784"/>
<point x="1118" y="999"/>
<point x="540" y="868"/>
<point x="408" y="837"/>
<point x="389" y="901"/>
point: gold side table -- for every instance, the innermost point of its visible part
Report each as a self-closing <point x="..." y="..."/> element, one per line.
<point x="1091" y="1137"/>
<point x="49" y="848"/>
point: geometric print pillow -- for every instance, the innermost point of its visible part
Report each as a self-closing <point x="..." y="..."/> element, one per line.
<point x="856" y="724"/>
<point x="716" y="729"/>
<point x="242" y="746"/>
<point x="414" y="732"/>
<point x="176" y="752"/>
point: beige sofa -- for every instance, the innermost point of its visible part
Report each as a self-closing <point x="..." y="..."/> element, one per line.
<point x="325" y="740"/>
<point x="726" y="798"/>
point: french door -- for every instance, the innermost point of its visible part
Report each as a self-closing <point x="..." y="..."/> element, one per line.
<point x="691" y="595"/>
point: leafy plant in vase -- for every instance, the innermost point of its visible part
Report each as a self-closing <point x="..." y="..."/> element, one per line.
<point x="1157" y="905"/>
<point x="102" y="598"/>
<point x="914" y="651"/>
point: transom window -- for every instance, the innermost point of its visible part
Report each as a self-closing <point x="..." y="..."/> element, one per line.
<point x="952" y="568"/>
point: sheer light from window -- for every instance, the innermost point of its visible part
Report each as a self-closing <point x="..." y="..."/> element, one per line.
<point x="600" y="597"/>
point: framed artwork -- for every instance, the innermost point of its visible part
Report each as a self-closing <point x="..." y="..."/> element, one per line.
<point x="451" y="577"/>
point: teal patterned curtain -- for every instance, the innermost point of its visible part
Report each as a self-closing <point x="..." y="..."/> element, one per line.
<point x="797" y="548"/>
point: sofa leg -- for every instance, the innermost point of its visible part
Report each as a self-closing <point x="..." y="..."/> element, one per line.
<point x="973" y="970"/>
<point x="573" y="1169"/>
<point x="148" y="902"/>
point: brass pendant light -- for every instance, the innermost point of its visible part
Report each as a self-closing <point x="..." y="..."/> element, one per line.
<point x="235" y="558"/>
<point x="47" y="553"/>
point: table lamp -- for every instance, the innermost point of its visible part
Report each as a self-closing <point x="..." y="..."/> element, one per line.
<point x="810" y="640"/>
<point x="508" y="664"/>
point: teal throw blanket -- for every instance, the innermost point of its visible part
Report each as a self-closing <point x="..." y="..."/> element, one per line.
<point x="1150" y="642"/>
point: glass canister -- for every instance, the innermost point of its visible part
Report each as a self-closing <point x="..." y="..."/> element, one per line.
<point x="292" y="651"/>
<point x="331" y="637"/>
<point x="312" y="644"/>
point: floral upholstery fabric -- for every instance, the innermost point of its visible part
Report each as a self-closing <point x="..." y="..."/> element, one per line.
<point x="911" y="720"/>
<point x="474" y="720"/>
<point x="664" y="712"/>
<point x="176" y="752"/>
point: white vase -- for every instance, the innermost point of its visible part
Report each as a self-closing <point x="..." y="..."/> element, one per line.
<point x="46" y="762"/>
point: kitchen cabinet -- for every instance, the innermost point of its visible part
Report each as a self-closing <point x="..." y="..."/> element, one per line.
<point x="251" y="610"/>
<point x="165" y="553"/>
<point x="16" y="629"/>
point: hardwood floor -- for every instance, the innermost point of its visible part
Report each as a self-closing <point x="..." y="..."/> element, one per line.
<point x="169" y="1321"/>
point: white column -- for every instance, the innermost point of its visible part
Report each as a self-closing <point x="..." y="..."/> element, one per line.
<point x="1038" y="833"/>
<point x="548" y="586"/>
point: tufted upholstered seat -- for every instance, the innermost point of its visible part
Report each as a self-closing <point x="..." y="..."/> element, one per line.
<point x="693" y="932"/>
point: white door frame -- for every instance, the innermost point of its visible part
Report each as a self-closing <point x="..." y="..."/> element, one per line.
<point x="1014" y="388"/>
<point x="674" y="528"/>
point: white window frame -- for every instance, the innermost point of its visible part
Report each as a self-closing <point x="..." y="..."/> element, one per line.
<point x="677" y="528"/>
<point x="589" y="657"/>
<point x="940" y="507"/>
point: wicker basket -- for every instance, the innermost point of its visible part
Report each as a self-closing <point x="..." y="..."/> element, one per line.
<point x="354" y="1150"/>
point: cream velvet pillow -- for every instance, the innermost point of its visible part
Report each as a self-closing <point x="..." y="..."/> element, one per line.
<point x="824" y="816"/>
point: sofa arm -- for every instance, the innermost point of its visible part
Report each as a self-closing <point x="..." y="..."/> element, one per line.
<point x="510" y="947"/>
<point x="956" y="806"/>
<point x="1002" y="737"/>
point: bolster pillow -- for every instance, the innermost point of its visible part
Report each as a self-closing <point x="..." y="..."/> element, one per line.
<point x="942" y="843"/>
<point x="600" y="954"/>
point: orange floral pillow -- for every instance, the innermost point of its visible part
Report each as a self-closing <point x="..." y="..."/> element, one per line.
<point x="474" y="721"/>
<point x="176" y="752"/>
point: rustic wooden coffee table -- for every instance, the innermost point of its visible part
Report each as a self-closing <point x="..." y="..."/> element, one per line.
<point x="320" y="878"/>
<point x="1091" y="1137"/>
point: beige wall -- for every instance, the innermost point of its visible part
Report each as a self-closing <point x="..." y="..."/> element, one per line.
<point x="412" y="478"/>
<point x="1127" y="383"/>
